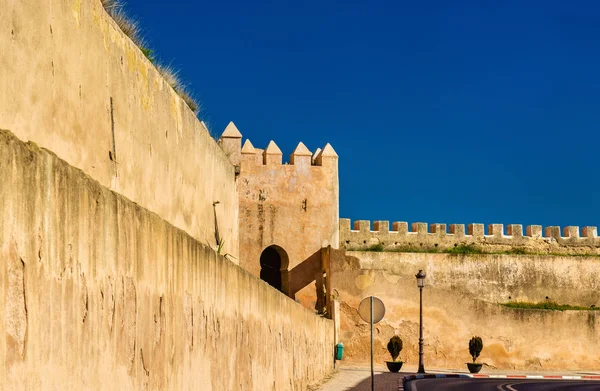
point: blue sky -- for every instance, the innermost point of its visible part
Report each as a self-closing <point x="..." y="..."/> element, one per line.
<point x="440" y="111"/>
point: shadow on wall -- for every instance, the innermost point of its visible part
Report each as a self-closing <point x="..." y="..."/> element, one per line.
<point x="308" y="271"/>
<point x="274" y="263"/>
<point x="305" y="272"/>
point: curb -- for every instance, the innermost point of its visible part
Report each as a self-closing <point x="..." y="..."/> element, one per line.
<point x="438" y="376"/>
<point x="477" y="376"/>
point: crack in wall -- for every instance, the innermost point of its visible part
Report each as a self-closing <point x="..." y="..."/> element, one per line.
<point x="111" y="303"/>
<point x="84" y="299"/>
<point x="129" y="319"/>
<point x="189" y="319"/>
<point x="16" y="304"/>
<point x="146" y="371"/>
<point x="159" y="320"/>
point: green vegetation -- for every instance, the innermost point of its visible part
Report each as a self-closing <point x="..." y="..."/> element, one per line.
<point x="131" y="28"/>
<point x="394" y="347"/>
<point x="472" y="249"/>
<point x="475" y="347"/>
<point x="149" y="53"/>
<point x="568" y="255"/>
<point x="401" y="249"/>
<point x="410" y="249"/>
<point x="376" y="247"/>
<point x="547" y="305"/>
<point x="516" y="251"/>
<point x="220" y="245"/>
<point x="460" y="249"/>
<point x="464" y="249"/>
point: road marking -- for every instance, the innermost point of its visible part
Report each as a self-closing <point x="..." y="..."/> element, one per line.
<point x="509" y="387"/>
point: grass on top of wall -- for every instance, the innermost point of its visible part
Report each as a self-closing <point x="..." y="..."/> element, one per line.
<point x="547" y="305"/>
<point x="459" y="249"/>
<point x="131" y="27"/>
<point x="171" y="75"/>
<point x="462" y="249"/>
<point x="405" y="249"/>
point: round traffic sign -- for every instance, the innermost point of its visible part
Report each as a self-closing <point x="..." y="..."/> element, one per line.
<point x="364" y="309"/>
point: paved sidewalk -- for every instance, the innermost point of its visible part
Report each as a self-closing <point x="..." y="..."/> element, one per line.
<point x="359" y="379"/>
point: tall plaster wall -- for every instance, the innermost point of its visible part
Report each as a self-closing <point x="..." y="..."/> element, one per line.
<point x="99" y="293"/>
<point x="461" y="299"/>
<point x="74" y="83"/>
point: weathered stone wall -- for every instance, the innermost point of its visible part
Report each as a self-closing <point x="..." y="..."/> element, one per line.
<point x="462" y="298"/>
<point x="436" y="238"/>
<point x="99" y="293"/>
<point x="72" y="82"/>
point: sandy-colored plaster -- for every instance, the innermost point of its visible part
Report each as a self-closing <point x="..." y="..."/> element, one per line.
<point x="72" y="82"/>
<point x="100" y="293"/>
<point x="462" y="299"/>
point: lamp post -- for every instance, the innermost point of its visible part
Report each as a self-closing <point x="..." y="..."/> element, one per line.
<point x="421" y="283"/>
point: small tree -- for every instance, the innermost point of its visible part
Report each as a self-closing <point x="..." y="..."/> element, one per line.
<point x="394" y="347"/>
<point x="475" y="347"/>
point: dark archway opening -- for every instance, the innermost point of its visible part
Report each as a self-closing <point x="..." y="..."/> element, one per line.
<point x="273" y="267"/>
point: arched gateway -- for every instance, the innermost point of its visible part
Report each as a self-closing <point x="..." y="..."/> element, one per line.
<point x="274" y="264"/>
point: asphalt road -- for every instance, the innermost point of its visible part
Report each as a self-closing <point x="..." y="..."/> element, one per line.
<point x="501" y="385"/>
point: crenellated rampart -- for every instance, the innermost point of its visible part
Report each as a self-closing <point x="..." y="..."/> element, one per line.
<point x="535" y="239"/>
<point x="301" y="157"/>
<point x="249" y="158"/>
<point x="293" y="205"/>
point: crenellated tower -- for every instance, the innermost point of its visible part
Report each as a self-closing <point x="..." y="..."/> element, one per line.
<point x="288" y="211"/>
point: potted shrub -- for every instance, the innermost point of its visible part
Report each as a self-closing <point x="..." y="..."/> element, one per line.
<point x="394" y="347"/>
<point x="475" y="346"/>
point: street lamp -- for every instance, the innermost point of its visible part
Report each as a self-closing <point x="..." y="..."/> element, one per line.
<point x="421" y="283"/>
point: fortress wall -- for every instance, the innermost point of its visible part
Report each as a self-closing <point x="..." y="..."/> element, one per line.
<point x="75" y="84"/>
<point x="439" y="237"/>
<point x="294" y="206"/>
<point x="462" y="298"/>
<point x="99" y="293"/>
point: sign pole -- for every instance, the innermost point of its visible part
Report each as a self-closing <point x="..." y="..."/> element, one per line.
<point x="371" y="315"/>
<point x="372" y="374"/>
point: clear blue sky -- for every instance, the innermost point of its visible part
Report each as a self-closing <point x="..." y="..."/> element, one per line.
<point x="440" y="111"/>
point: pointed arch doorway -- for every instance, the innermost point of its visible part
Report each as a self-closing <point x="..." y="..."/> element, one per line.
<point x="274" y="264"/>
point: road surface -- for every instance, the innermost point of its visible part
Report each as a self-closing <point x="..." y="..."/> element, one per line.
<point x="501" y="385"/>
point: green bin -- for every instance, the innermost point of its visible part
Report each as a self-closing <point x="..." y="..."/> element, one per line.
<point x="339" y="351"/>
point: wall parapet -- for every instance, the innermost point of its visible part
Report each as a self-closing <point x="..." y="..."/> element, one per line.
<point x="302" y="156"/>
<point x="247" y="154"/>
<point x="440" y="237"/>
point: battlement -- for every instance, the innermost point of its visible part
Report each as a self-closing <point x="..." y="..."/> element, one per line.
<point x="231" y="142"/>
<point x="292" y="205"/>
<point x="440" y="237"/>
